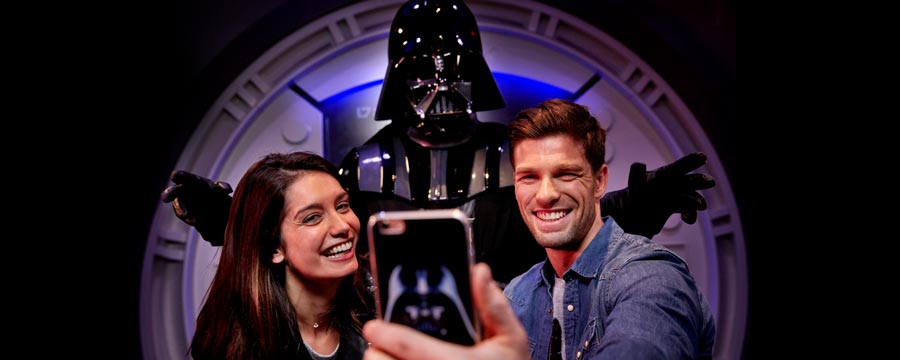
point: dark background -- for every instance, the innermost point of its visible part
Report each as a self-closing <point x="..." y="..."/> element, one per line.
<point x="692" y="44"/>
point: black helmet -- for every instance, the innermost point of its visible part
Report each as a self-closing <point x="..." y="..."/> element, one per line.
<point x="436" y="76"/>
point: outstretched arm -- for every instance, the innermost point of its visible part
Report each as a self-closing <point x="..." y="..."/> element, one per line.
<point x="201" y="203"/>
<point x="652" y="196"/>
<point x="656" y="312"/>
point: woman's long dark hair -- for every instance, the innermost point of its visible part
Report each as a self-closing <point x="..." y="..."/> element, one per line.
<point x="247" y="314"/>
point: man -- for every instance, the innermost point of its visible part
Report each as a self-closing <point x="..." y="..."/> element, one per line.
<point x="436" y="154"/>
<point x="601" y="292"/>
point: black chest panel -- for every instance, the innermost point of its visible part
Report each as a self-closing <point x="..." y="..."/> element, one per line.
<point x="391" y="172"/>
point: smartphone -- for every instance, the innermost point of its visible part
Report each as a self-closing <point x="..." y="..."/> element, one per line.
<point x="421" y="261"/>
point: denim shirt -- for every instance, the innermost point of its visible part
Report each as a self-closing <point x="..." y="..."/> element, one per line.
<point x="625" y="298"/>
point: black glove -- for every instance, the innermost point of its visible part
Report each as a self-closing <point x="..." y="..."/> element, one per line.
<point x="652" y="196"/>
<point x="201" y="203"/>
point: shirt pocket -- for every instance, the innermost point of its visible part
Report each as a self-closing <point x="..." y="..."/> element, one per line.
<point x="590" y="342"/>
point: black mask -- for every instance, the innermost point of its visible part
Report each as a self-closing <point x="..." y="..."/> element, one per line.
<point x="437" y="77"/>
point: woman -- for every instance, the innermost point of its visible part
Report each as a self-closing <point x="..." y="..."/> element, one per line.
<point x="288" y="284"/>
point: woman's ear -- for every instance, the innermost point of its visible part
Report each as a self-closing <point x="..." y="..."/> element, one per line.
<point x="278" y="256"/>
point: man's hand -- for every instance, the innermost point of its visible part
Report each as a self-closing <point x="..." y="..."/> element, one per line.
<point x="652" y="196"/>
<point x="201" y="203"/>
<point x="504" y="336"/>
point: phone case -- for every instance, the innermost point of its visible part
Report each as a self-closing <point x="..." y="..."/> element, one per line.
<point x="421" y="262"/>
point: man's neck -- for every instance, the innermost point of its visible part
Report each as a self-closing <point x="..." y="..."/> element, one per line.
<point x="562" y="259"/>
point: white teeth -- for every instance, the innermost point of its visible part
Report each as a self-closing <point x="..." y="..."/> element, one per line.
<point x="551" y="215"/>
<point x="337" y="250"/>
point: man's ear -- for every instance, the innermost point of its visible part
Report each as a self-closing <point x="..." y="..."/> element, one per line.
<point x="602" y="180"/>
<point x="278" y="256"/>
